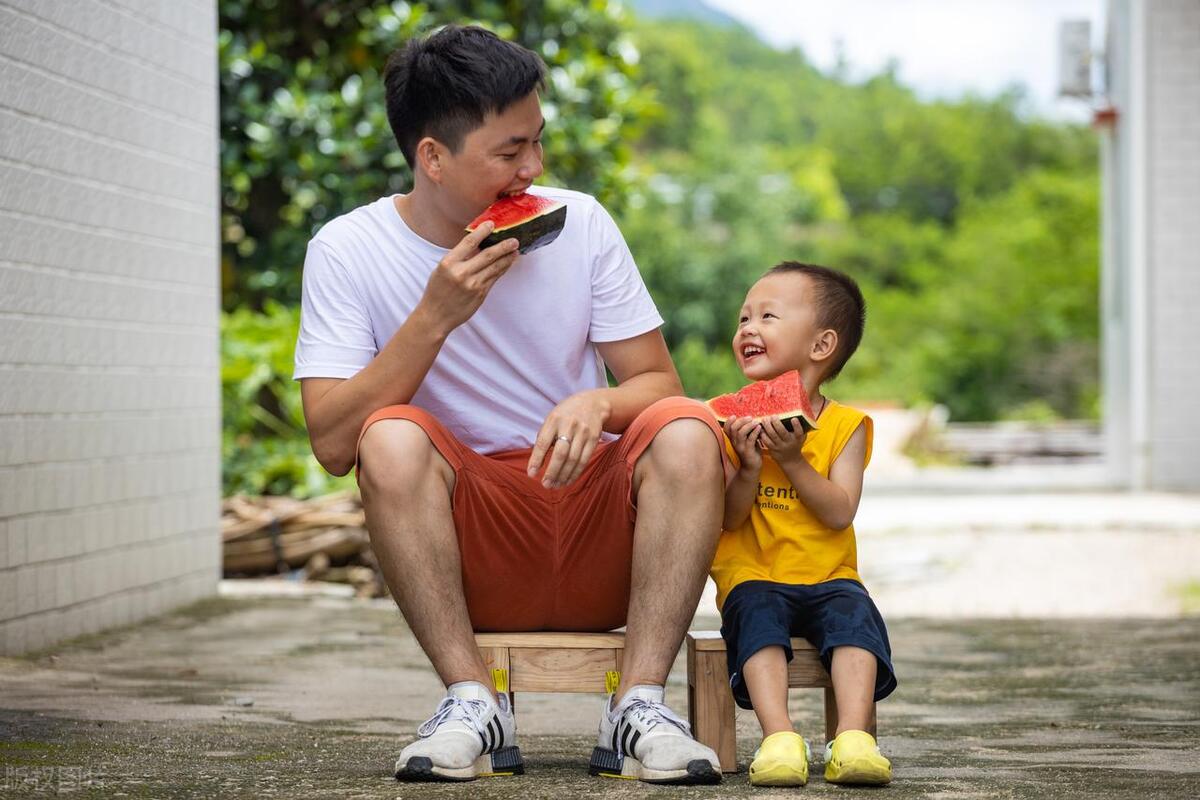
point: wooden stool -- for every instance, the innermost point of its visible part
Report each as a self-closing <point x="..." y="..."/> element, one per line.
<point x="710" y="700"/>
<point x="553" y="662"/>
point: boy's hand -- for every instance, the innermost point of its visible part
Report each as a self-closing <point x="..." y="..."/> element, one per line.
<point x="784" y="445"/>
<point x="743" y="433"/>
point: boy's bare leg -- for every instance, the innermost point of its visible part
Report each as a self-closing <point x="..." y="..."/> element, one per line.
<point x="853" y="673"/>
<point x="765" y="674"/>
<point x="678" y="484"/>
<point x="406" y="488"/>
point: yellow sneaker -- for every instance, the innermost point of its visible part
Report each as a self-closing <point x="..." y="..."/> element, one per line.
<point x="854" y="757"/>
<point x="781" y="760"/>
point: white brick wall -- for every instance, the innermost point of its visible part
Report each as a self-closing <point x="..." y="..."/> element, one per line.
<point x="1173" y="231"/>
<point x="109" y="286"/>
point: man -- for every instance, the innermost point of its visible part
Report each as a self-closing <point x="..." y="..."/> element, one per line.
<point x="467" y="388"/>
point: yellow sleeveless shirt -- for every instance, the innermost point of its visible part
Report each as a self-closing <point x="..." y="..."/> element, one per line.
<point x="781" y="540"/>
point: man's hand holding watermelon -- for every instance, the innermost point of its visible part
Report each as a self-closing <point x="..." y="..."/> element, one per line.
<point x="463" y="278"/>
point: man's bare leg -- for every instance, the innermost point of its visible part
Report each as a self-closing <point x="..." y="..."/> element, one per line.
<point x="406" y="488"/>
<point x="678" y="484"/>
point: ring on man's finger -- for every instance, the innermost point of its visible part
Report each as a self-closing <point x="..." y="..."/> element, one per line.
<point x="563" y="439"/>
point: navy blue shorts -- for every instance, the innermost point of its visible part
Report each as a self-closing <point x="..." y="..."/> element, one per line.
<point x="836" y="613"/>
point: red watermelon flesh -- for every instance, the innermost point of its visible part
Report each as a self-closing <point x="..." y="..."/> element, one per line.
<point x="783" y="397"/>
<point x="535" y="221"/>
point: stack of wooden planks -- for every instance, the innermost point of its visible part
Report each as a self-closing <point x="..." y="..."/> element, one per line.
<point x="263" y="535"/>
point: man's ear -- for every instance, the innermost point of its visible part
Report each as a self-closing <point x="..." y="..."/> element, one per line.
<point x="430" y="157"/>
<point x="824" y="346"/>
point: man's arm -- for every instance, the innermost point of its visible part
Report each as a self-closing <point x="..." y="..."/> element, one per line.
<point x="645" y="374"/>
<point x="335" y="409"/>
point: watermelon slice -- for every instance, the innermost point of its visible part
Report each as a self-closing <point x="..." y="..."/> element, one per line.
<point x="533" y="220"/>
<point x="783" y="397"/>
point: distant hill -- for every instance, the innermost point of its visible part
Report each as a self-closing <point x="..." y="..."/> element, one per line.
<point x="683" y="9"/>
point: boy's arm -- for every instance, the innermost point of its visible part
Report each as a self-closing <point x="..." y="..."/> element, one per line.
<point x="739" y="497"/>
<point x="742" y="434"/>
<point x="834" y="501"/>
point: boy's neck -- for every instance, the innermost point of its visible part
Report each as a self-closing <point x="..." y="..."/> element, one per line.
<point x="812" y="379"/>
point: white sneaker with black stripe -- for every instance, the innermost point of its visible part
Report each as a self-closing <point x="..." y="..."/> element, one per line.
<point x="642" y="738"/>
<point x="469" y="736"/>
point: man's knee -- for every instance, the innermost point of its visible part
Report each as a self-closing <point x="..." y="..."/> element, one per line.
<point x="684" y="448"/>
<point x="397" y="456"/>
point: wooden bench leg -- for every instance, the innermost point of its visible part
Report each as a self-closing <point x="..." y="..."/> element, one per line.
<point x="710" y="705"/>
<point x="497" y="658"/>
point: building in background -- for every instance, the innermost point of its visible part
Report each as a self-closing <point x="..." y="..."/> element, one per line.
<point x="109" y="324"/>
<point x="1151" y="272"/>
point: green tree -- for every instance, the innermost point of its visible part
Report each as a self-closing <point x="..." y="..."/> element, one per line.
<point x="948" y="213"/>
<point x="304" y="132"/>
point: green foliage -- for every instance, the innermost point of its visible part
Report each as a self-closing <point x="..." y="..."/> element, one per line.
<point x="264" y="446"/>
<point x="304" y="132"/>
<point x="1017" y="309"/>
<point x="972" y="230"/>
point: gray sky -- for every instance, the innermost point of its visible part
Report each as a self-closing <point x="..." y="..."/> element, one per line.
<point x="944" y="47"/>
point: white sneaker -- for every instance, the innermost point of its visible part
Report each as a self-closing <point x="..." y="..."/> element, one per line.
<point x="469" y="736"/>
<point x="643" y="739"/>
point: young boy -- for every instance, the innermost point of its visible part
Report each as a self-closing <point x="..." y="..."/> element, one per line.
<point x="786" y="563"/>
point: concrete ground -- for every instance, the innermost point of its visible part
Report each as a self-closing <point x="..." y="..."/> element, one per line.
<point x="1039" y="622"/>
<point x="314" y="696"/>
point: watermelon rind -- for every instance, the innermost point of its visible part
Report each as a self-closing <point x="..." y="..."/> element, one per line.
<point x="788" y="422"/>
<point x="754" y="399"/>
<point x="531" y="234"/>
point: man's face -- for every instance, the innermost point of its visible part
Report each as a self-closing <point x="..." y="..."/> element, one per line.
<point x="501" y="156"/>
<point x="777" y="327"/>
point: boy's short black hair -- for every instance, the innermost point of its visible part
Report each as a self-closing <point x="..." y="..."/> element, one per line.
<point x="840" y="305"/>
<point x="445" y="84"/>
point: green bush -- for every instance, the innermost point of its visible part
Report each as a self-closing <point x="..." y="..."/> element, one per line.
<point x="265" y="447"/>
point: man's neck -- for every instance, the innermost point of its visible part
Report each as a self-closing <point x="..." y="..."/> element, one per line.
<point x="420" y="212"/>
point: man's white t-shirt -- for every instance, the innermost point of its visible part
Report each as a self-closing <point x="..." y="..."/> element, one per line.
<point x="528" y="347"/>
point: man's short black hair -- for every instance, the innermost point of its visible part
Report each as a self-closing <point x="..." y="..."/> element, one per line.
<point x="840" y="305"/>
<point x="446" y="83"/>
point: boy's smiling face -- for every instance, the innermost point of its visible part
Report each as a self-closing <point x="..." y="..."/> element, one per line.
<point x="777" y="329"/>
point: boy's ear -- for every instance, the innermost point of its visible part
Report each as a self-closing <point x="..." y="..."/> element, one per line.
<point x="824" y="346"/>
<point x="430" y="155"/>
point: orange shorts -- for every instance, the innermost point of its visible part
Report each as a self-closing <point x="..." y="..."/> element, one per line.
<point x="547" y="559"/>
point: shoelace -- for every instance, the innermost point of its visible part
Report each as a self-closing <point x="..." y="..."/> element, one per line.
<point x="651" y="713"/>
<point x="451" y="707"/>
